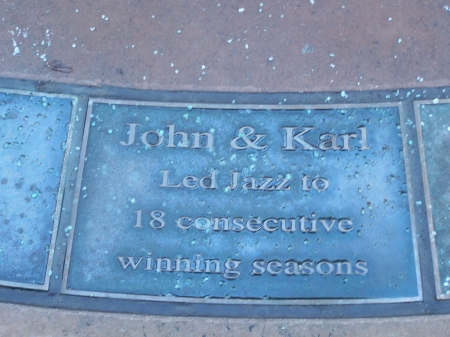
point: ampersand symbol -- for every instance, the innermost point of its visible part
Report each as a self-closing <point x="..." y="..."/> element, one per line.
<point x="247" y="135"/>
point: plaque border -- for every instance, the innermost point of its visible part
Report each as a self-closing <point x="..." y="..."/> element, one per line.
<point x="180" y="299"/>
<point x="59" y="199"/>
<point x="426" y="189"/>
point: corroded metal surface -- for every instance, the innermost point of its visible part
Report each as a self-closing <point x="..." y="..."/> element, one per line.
<point x="243" y="204"/>
<point x="33" y="133"/>
<point x="433" y="127"/>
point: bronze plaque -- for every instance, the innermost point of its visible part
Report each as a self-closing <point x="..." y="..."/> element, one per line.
<point x="34" y="132"/>
<point x="243" y="205"/>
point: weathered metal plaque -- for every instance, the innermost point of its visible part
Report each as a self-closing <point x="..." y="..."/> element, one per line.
<point x="243" y="204"/>
<point x="433" y="127"/>
<point x="33" y="133"/>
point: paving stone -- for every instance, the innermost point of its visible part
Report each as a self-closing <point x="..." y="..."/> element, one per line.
<point x="40" y="322"/>
<point x="214" y="46"/>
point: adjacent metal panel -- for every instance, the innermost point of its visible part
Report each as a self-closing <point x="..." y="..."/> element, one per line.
<point x="33" y="133"/>
<point x="433" y="127"/>
<point x="243" y="205"/>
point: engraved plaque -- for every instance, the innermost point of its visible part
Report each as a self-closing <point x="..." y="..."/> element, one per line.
<point x="34" y="130"/>
<point x="433" y="127"/>
<point x="243" y="205"/>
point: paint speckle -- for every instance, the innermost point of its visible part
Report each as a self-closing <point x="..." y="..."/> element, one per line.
<point x="307" y="49"/>
<point x="16" y="48"/>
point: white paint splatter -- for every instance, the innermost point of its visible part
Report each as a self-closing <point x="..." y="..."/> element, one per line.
<point x="47" y="37"/>
<point x="16" y="48"/>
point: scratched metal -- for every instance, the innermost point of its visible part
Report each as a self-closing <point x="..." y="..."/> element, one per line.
<point x="33" y="134"/>
<point x="433" y="126"/>
<point x="119" y="185"/>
